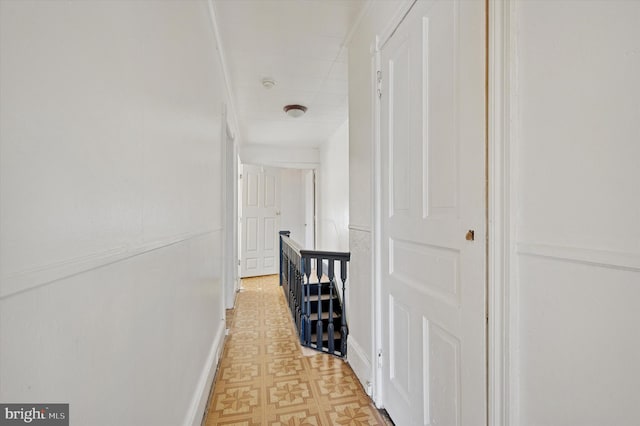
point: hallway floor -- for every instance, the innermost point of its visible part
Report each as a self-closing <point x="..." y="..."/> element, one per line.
<point x="264" y="378"/>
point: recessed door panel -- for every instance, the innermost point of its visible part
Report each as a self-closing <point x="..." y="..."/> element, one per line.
<point x="399" y="330"/>
<point x="441" y="39"/>
<point x="252" y="264"/>
<point x="251" y="233"/>
<point x="426" y="268"/>
<point x="269" y="232"/>
<point x="444" y="377"/>
<point x="399" y="149"/>
<point x="269" y="190"/>
<point x="252" y="188"/>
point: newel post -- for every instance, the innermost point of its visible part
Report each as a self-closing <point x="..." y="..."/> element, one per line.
<point x="286" y="234"/>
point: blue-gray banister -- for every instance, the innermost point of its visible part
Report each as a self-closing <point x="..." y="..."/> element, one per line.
<point x="314" y="297"/>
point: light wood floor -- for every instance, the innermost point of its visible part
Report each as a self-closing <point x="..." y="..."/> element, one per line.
<point x="265" y="379"/>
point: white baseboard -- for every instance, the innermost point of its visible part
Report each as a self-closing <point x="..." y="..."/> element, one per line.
<point x="201" y="395"/>
<point x="359" y="362"/>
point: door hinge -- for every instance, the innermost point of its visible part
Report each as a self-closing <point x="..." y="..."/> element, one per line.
<point x="240" y="176"/>
<point x="379" y="83"/>
<point x="238" y="262"/>
<point x="380" y="363"/>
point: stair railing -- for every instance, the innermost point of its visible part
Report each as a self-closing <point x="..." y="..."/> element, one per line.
<point x="315" y="297"/>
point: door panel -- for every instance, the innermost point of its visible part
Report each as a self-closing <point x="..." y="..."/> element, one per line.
<point x="252" y="235"/>
<point x="442" y="350"/>
<point x="400" y="132"/>
<point x="269" y="190"/>
<point x="400" y="344"/>
<point x="252" y="179"/>
<point x="260" y="221"/>
<point x="433" y="174"/>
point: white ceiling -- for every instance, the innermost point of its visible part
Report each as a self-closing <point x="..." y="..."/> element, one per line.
<point x="299" y="44"/>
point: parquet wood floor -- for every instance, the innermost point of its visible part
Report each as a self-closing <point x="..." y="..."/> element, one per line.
<point x="264" y="378"/>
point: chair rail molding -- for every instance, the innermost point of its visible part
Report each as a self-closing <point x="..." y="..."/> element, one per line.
<point x="361" y="228"/>
<point x="46" y="274"/>
<point x="599" y="257"/>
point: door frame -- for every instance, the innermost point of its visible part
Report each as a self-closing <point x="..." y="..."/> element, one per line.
<point x="502" y="321"/>
<point x="229" y="215"/>
<point x="500" y="328"/>
<point x="310" y="203"/>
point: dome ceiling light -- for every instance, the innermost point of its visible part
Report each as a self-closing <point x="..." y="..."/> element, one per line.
<point x="295" y="111"/>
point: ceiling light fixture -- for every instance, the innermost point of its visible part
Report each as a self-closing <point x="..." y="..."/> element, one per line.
<point x="268" y="83"/>
<point x="295" y="111"/>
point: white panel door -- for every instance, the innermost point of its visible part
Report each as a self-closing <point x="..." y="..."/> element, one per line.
<point x="260" y="221"/>
<point x="433" y="193"/>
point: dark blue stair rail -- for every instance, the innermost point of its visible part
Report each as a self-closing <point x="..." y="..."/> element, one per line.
<point x="316" y="299"/>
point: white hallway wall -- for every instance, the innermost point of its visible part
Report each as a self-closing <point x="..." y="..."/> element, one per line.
<point x="576" y="209"/>
<point x="110" y="213"/>
<point x="361" y="108"/>
<point x="280" y="156"/>
<point x="292" y="204"/>
<point x="333" y="190"/>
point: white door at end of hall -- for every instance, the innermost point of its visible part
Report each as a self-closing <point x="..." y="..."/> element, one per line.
<point x="432" y="113"/>
<point x="260" y="221"/>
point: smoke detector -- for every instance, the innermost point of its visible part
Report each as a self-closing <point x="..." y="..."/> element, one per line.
<point x="268" y="83"/>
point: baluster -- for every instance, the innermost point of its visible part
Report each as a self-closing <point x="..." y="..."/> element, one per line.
<point x="343" y="328"/>
<point x="292" y="288"/>
<point x="296" y="295"/>
<point x="298" y="315"/>
<point x="291" y="273"/>
<point x="319" y="327"/>
<point x="307" y="300"/>
<point x="283" y="269"/>
<point x="285" y="272"/>
<point x="330" y="333"/>
<point x="295" y="268"/>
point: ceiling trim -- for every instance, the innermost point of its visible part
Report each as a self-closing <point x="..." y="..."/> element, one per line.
<point x="345" y="42"/>
<point x="356" y="24"/>
<point x="231" y="109"/>
<point x="401" y="13"/>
